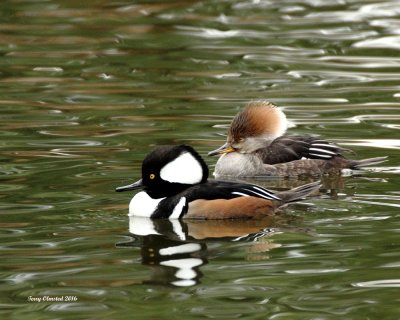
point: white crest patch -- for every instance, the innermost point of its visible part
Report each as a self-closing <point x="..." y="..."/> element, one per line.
<point x="184" y="169"/>
<point x="142" y="205"/>
<point x="282" y="121"/>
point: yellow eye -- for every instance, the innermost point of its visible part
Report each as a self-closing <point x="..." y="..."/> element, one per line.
<point x="152" y="176"/>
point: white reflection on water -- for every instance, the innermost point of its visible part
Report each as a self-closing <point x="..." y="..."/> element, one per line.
<point x="391" y="126"/>
<point x="28" y="276"/>
<point x="359" y="62"/>
<point x="378" y="203"/>
<point x="185" y="274"/>
<point x="389" y="283"/>
<point x="364" y="12"/>
<point x="24" y="208"/>
<point x="384" y="42"/>
<point x="375" y="116"/>
<point x="48" y="69"/>
<point x="76" y="307"/>
<point x="66" y="143"/>
<point x="375" y="143"/>
<point x="314" y="271"/>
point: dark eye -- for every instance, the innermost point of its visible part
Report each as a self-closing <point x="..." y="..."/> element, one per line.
<point x="152" y="176"/>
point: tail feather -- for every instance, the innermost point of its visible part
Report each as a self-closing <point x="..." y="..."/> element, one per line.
<point x="358" y="164"/>
<point x="298" y="193"/>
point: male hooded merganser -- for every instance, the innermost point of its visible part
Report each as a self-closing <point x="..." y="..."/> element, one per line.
<point x="174" y="179"/>
<point x="257" y="146"/>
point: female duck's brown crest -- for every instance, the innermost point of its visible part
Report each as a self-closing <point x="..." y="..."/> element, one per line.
<point x="259" y="118"/>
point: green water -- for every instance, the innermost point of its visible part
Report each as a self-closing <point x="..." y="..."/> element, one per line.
<point x="87" y="90"/>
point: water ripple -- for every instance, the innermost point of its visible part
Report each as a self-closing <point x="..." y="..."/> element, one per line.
<point x="88" y="90"/>
<point x="392" y="26"/>
<point x="385" y="204"/>
<point x="24" y="208"/>
<point x="316" y="271"/>
<point x="352" y="62"/>
<point x="67" y="143"/>
<point x="19" y="278"/>
<point x="374" y="143"/>
<point x="77" y="307"/>
<point x="392" y="42"/>
<point x="392" y="283"/>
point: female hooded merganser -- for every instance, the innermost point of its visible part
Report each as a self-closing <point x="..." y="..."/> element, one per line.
<point x="256" y="146"/>
<point x="174" y="179"/>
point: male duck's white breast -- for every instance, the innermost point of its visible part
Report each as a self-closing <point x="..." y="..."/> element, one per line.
<point x="142" y="205"/>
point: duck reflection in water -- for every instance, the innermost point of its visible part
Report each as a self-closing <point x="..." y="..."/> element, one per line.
<point x="176" y="249"/>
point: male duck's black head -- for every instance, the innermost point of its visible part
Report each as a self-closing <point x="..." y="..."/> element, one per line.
<point x="168" y="170"/>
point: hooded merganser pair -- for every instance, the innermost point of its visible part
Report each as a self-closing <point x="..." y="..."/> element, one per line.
<point x="175" y="178"/>
<point x="176" y="185"/>
<point x="257" y="146"/>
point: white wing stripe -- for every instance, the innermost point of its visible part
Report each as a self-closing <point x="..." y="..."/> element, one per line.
<point x="240" y="194"/>
<point x="266" y="192"/>
<point x="322" y="151"/>
<point x="176" y="213"/>
<point x="265" y="195"/>
<point x="268" y="196"/>
<point x="323" y="145"/>
<point x="321" y="155"/>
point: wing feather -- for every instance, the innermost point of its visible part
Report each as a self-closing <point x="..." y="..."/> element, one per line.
<point x="289" y="148"/>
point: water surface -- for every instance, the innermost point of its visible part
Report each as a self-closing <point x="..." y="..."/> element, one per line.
<point x="86" y="91"/>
